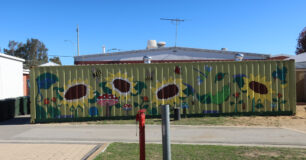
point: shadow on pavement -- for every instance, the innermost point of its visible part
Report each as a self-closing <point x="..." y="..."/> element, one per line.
<point x="19" y="120"/>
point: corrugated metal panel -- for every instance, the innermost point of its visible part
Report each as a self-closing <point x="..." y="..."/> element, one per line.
<point x="93" y="91"/>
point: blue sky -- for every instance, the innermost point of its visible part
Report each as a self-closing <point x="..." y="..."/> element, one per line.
<point x="260" y="26"/>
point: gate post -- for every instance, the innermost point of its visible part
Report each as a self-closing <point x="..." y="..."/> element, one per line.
<point x="166" y="132"/>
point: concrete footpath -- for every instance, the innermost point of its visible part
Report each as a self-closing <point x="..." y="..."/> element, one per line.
<point x="68" y="141"/>
<point x="94" y="134"/>
<point x="17" y="151"/>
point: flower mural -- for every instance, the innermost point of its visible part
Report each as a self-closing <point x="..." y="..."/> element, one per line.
<point x="258" y="88"/>
<point x="236" y="101"/>
<point x="177" y="70"/>
<point x="122" y="85"/>
<point x="203" y="75"/>
<point x="281" y="75"/>
<point x="278" y="102"/>
<point x="238" y="79"/>
<point x="44" y="81"/>
<point x="127" y="108"/>
<point x="76" y="92"/>
<point x="168" y="91"/>
<point x="107" y="100"/>
<point x="196" y="88"/>
<point x="219" y="76"/>
<point x="185" y="106"/>
<point x="93" y="111"/>
<point x="144" y="102"/>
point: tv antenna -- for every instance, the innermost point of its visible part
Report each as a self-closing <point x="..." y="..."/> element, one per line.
<point x="176" y="20"/>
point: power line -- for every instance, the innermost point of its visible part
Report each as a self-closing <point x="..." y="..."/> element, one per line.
<point x="59" y="56"/>
<point x="176" y="20"/>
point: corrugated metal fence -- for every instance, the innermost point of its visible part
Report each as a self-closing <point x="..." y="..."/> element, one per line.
<point x="102" y="91"/>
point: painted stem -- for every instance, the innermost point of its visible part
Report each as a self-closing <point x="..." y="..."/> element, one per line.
<point x="253" y="105"/>
<point x="184" y="112"/>
<point x="235" y="107"/>
<point x="107" y="110"/>
<point x="220" y="108"/>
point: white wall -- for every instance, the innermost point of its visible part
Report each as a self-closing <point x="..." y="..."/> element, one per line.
<point x="11" y="76"/>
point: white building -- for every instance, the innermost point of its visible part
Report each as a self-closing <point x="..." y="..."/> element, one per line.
<point x="11" y="76"/>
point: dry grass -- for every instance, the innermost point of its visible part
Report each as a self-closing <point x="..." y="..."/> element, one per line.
<point x="297" y="122"/>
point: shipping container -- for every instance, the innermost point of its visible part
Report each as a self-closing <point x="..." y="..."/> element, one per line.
<point x="92" y="92"/>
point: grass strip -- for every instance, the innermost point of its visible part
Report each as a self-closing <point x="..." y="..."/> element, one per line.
<point x="130" y="151"/>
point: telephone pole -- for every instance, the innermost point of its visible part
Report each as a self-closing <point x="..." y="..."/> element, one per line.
<point x="78" y="40"/>
<point x="176" y="20"/>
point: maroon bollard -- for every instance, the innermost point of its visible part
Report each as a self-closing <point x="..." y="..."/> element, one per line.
<point x="141" y="117"/>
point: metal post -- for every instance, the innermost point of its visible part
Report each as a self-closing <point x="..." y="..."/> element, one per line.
<point x="78" y="40"/>
<point x="141" y="117"/>
<point x="166" y="132"/>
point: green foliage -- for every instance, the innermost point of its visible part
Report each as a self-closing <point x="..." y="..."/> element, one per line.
<point x="56" y="60"/>
<point x="259" y="105"/>
<point x="95" y="98"/>
<point x="118" y="105"/>
<point x="53" y="112"/>
<point x="182" y="98"/>
<point x="280" y="74"/>
<point x="240" y="102"/>
<point x="219" y="76"/>
<point x="205" y="98"/>
<point x="57" y="90"/>
<point x="40" y="112"/>
<point x="222" y="95"/>
<point x="239" y="80"/>
<point x="33" y="51"/>
<point x="154" y="111"/>
<point x="146" y="106"/>
<point x="301" y="44"/>
<point x="75" y="110"/>
<point x="104" y="88"/>
<point x="139" y="87"/>
<point x="136" y="104"/>
<point x="189" y="91"/>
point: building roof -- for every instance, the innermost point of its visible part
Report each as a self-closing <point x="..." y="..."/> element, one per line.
<point x="11" y="57"/>
<point x="279" y="56"/>
<point x="300" y="65"/>
<point x="26" y="71"/>
<point x="298" y="58"/>
<point x="49" y="64"/>
<point x="169" y="53"/>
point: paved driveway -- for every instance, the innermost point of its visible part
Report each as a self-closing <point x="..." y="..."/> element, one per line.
<point x="92" y="134"/>
<point x="21" y="140"/>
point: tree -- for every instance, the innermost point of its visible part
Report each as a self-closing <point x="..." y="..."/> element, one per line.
<point x="12" y="48"/>
<point x="56" y="60"/>
<point x="301" y="46"/>
<point x="33" y="51"/>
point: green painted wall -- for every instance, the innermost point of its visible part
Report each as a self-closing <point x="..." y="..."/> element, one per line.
<point x="95" y="91"/>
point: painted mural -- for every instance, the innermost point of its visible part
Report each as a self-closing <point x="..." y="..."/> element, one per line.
<point x="197" y="88"/>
